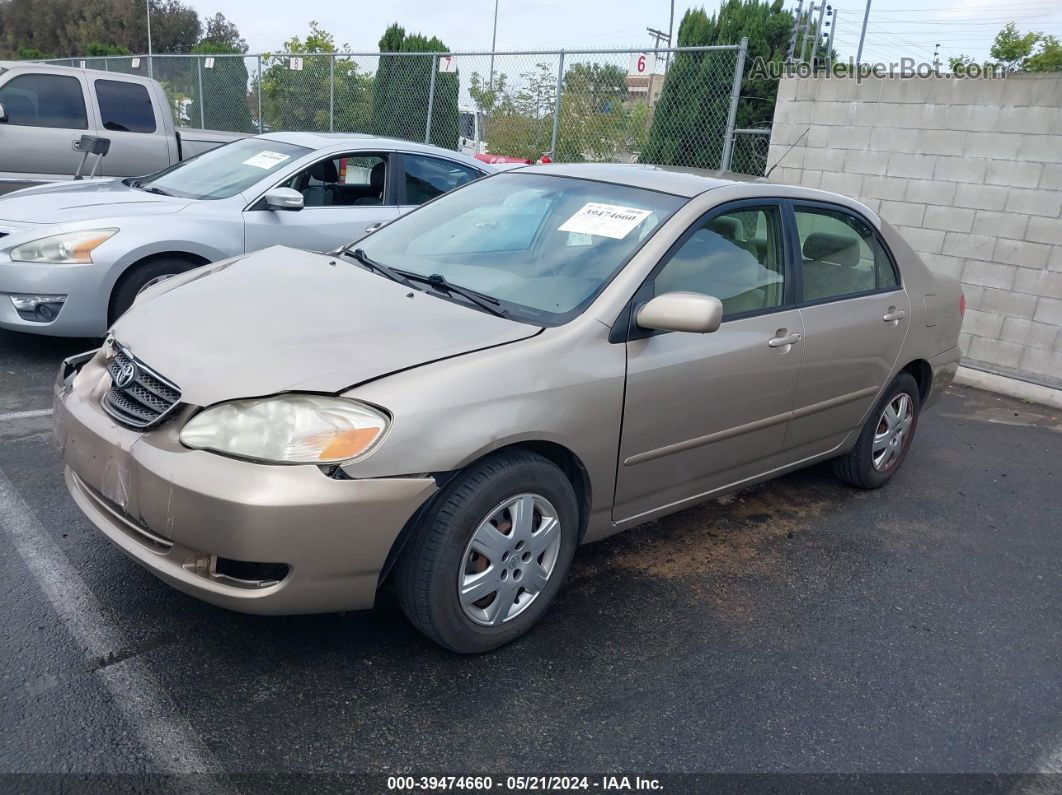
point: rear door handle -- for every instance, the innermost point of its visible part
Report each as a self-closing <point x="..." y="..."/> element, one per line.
<point x="892" y="316"/>
<point x="779" y="342"/>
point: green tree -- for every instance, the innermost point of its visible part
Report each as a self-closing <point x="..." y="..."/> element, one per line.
<point x="1011" y="49"/>
<point x="225" y="89"/>
<point x="401" y="92"/>
<point x="689" y="121"/>
<point x="1048" y="58"/>
<point x="303" y="100"/>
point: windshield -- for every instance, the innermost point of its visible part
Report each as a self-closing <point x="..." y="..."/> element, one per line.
<point x="543" y="245"/>
<point x="223" y="172"/>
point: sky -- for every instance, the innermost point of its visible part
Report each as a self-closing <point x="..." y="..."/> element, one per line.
<point x="896" y="28"/>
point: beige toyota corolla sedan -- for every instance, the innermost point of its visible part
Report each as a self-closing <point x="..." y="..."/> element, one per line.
<point x="455" y="402"/>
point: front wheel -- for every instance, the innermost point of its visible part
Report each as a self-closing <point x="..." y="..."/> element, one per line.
<point x="141" y="277"/>
<point x="885" y="439"/>
<point x="490" y="555"/>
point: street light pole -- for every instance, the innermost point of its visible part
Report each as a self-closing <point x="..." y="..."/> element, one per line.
<point x="493" y="44"/>
<point x="151" y="66"/>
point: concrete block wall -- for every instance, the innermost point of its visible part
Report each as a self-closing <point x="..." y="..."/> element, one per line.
<point x="970" y="172"/>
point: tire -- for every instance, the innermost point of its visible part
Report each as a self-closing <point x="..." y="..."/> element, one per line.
<point x="454" y="547"/>
<point x="140" y="277"/>
<point x="863" y="466"/>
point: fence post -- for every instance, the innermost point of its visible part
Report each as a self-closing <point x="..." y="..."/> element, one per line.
<point x="106" y="64"/>
<point x="735" y="94"/>
<point x="431" y="98"/>
<point x="259" y="94"/>
<point x="331" y="92"/>
<point x="557" y="108"/>
<point x="202" y="99"/>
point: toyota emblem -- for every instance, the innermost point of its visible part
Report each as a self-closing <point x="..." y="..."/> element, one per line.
<point x="125" y="376"/>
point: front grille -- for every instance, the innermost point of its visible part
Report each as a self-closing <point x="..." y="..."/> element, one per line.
<point x="146" y="398"/>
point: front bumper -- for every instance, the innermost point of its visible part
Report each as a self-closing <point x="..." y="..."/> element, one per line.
<point x="86" y="287"/>
<point x="178" y="512"/>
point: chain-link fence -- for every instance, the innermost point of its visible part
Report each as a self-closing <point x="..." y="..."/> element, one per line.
<point x="667" y="106"/>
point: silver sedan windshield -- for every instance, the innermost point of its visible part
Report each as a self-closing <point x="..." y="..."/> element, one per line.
<point x="547" y="244"/>
<point x="225" y="171"/>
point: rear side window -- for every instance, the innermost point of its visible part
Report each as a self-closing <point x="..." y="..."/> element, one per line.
<point x="44" y="101"/>
<point x="125" y="107"/>
<point x="841" y="255"/>
<point x="428" y="177"/>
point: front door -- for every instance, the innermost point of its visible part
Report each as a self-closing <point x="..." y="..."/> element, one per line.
<point x="855" y="314"/>
<point x="45" y="115"/>
<point x="703" y="411"/>
<point x="342" y="195"/>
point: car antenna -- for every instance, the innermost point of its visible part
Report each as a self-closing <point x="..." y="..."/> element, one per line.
<point x="787" y="151"/>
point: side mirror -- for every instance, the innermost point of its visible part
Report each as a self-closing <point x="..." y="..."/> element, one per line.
<point x="694" y="312"/>
<point x="373" y="227"/>
<point x="3" y="113"/>
<point x="283" y="199"/>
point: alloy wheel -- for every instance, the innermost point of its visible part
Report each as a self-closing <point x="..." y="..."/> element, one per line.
<point x="892" y="432"/>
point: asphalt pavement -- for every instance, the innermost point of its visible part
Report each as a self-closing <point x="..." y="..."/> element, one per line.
<point x="801" y="626"/>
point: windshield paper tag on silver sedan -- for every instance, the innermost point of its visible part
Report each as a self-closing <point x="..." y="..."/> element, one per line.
<point x="266" y="160"/>
<point x="607" y="220"/>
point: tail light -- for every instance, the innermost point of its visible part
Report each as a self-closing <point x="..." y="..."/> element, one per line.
<point x="962" y="304"/>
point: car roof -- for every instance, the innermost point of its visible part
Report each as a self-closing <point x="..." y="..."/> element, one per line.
<point x="52" y="68"/>
<point x="687" y="182"/>
<point x="316" y="140"/>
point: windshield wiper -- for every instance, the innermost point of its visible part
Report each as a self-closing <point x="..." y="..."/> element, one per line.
<point x="159" y="191"/>
<point x="438" y="282"/>
<point x="360" y="255"/>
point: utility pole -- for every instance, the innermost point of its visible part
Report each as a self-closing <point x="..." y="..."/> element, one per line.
<point x="151" y="66"/>
<point x="829" y="44"/>
<point x="936" y="57"/>
<point x="805" y="29"/>
<point x="659" y="36"/>
<point x="862" y="35"/>
<point x="818" y="35"/>
<point x="670" y="36"/>
<point x="796" y="26"/>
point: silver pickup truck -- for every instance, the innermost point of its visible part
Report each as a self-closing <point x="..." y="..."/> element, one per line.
<point x="44" y="111"/>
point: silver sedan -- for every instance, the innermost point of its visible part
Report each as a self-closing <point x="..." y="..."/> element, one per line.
<point x="74" y="256"/>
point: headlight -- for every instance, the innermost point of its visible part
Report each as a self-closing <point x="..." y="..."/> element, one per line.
<point x="68" y="248"/>
<point x="289" y="429"/>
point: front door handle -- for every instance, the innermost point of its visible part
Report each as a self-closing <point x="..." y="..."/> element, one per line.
<point x="894" y="314"/>
<point x="781" y="342"/>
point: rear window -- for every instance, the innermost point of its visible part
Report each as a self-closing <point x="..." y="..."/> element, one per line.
<point x="125" y="107"/>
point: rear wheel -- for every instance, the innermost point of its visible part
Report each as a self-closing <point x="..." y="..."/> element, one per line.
<point x="885" y="439"/>
<point x="139" y="278"/>
<point x="490" y="555"/>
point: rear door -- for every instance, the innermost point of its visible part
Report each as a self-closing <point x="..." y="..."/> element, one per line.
<point x="703" y="411"/>
<point x="342" y="194"/>
<point x="130" y="117"/>
<point x="46" y="114"/>
<point x="855" y="314"/>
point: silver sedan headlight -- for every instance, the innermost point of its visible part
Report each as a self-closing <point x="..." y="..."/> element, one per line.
<point x="288" y="429"/>
<point x="67" y="248"/>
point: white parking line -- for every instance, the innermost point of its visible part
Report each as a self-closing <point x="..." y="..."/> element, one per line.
<point x="22" y="415"/>
<point x="164" y="734"/>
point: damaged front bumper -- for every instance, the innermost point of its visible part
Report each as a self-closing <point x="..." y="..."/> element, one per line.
<point x="250" y="537"/>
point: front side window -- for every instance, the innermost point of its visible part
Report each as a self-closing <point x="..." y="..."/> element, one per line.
<point x="44" y="101"/>
<point x="543" y="245"/>
<point x="125" y="107"/>
<point x="736" y="257"/>
<point x="349" y="180"/>
<point x="223" y="172"/>
<point x="840" y="254"/>
<point x="428" y="177"/>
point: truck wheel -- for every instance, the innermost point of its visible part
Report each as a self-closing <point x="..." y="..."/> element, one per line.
<point x="885" y="439"/>
<point x="490" y="555"/>
<point x="138" y="278"/>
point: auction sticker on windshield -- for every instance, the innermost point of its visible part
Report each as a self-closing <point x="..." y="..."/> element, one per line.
<point x="607" y="220"/>
<point x="266" y="160"/>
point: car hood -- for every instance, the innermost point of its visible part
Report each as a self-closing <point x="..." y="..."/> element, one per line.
<point x="282" y="320"/>
<point x="69" y="202"/>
